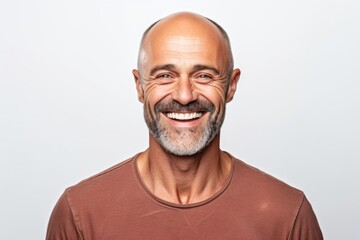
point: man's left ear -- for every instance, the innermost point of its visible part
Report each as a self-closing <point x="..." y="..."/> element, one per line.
<point x="234" y="79"/>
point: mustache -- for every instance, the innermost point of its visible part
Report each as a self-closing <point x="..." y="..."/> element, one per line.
<point x="196" y="106"/>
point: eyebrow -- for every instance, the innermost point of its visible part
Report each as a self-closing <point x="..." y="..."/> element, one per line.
<point x="171" y="67"/>
<point x="200" y="67"/>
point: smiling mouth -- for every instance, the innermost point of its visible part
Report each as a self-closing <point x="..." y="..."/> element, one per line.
<point x="184" y="116"/>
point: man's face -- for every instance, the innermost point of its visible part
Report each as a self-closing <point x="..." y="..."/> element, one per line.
<point x="183" y="83"/>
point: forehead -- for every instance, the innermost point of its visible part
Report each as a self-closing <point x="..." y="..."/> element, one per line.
<point x="183" y="40"/>
<point x="181" y="43"/>
<point x="183" y="46"/>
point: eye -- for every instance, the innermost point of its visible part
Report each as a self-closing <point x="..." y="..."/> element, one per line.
<point x="163" y="76"/>
<point x="203" y="77"/>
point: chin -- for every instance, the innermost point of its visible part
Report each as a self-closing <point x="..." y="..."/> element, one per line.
<point x="186" y="143"/>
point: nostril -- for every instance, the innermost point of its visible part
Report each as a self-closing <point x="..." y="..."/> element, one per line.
<point x="184" y="92"/>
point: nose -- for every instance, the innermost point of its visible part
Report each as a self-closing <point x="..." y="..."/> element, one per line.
<point x="184" y="92"/>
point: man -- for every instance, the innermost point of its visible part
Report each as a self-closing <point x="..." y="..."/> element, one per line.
<point x="183" y="186"/>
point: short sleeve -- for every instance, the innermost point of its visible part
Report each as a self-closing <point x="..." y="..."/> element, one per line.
<point x="306" y="226"/>
<point x="62" y="225"/>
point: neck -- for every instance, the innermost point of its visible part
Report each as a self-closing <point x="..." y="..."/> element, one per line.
<point x="184" y="180"/>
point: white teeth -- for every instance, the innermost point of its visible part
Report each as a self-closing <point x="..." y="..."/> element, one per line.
<point x="184" y="116"/>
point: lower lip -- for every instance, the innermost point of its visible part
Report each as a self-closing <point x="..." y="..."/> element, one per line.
<point x="185" y="123"/>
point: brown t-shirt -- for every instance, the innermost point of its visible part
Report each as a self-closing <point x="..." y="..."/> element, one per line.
<point x="115" y="204"/>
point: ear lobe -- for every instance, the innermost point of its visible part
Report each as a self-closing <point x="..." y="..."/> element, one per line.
<point x="234" y="79"/>
<point x="138" y="85"/>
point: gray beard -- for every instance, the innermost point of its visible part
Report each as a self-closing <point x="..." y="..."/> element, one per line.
<point x="183" y="142"/>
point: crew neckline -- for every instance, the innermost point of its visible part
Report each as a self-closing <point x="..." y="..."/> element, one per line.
<point x="177" y="205"/>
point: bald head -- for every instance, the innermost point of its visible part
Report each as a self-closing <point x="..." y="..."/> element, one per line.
<point x="185" y="25"/>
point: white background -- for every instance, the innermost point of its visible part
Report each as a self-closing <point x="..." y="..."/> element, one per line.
<point x="68" y="106"/>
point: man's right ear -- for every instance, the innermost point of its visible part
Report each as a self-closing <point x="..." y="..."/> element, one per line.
<point x="139" y="89"/>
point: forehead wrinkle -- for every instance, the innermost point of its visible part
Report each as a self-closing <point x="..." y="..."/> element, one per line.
<point x="185" y="40"/>
<point x="196" y="44"/>
<point x="187" y="52"/>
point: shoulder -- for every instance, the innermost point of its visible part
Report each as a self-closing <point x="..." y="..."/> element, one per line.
<point x="264" y="194"/>
<point x="263" y="182"/>
<point x="270" y="204"/>
<point x="118" y="171"/>
<point x="101" y="186"/>
<point x="101" y="194"/>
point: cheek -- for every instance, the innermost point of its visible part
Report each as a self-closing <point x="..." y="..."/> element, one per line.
<point x="154" y="93"/>
<point x="214" y="92"/>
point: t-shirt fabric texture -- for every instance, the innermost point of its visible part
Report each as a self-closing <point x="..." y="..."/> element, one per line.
<point x="116" y="204"/>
